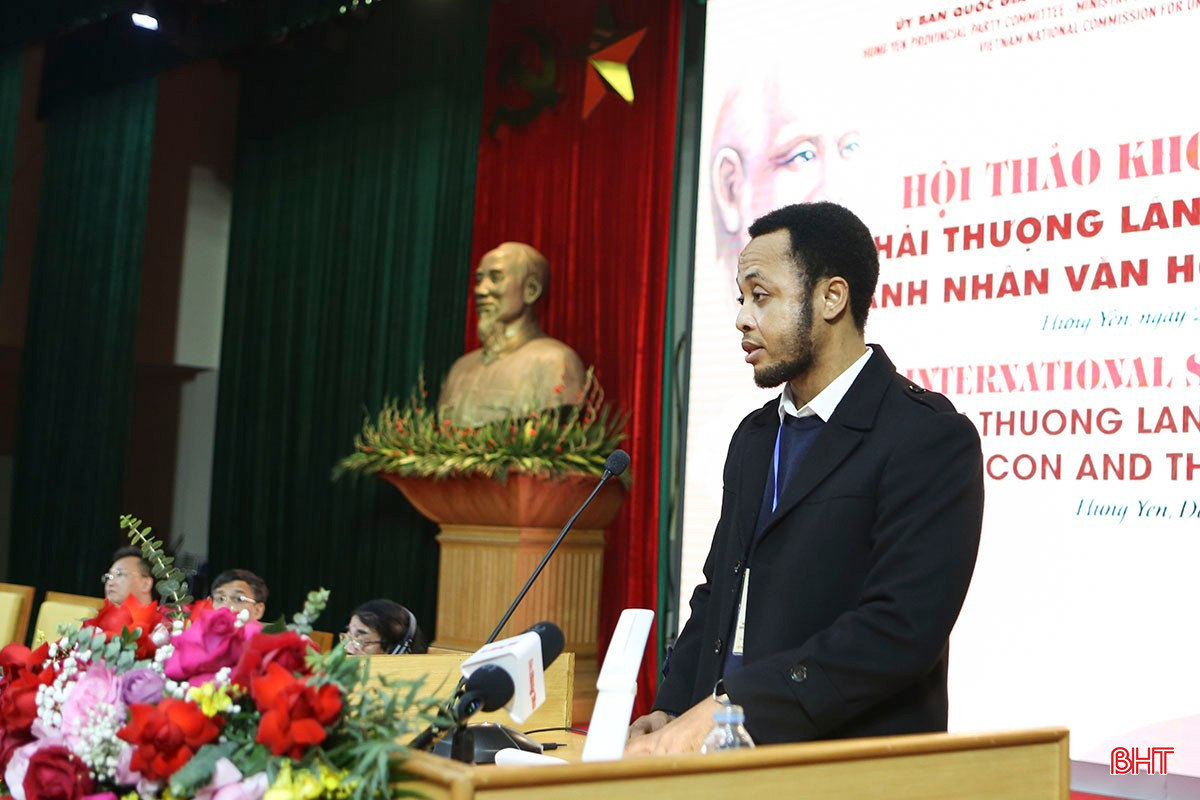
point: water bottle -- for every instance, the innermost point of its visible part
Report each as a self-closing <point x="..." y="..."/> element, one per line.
<point x="728" y="731"/>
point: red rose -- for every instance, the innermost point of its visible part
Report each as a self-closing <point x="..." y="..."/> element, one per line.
<point x="166" y="736"/>
<point x="18" y="700"/>
<point x="17" y="659"/>
<point x="55" y="773"/>
<point x="199" y="608"/>
<point x="129" y="615"/>
<point x="294" y="714"/>
<point x="287" y="649"/>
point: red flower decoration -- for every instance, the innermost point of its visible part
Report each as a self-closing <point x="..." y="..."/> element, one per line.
<point x="129" y="615"/>
<point x="55" y="773"/>
<point x="18" y="701"/>
<point x="166" y="736"/>
<point x="200" y="607"/>
<point x="295" y="714"/>
<point x="287" y="649"/>
<point x="17" y="659"/>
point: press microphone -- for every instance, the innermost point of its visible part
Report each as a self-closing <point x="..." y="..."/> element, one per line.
<point x="616" y="463"/>
<point x="487" y="689"/>
<point x="489" y="679"/>
<point x="523" y="659"/>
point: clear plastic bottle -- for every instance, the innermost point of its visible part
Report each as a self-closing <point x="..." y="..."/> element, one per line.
<point x="729" y="731"/>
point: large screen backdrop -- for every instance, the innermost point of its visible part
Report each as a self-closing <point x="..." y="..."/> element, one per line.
<point x="1031" y="174"/>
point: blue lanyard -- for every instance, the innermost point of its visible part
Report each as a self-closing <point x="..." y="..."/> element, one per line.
<point x="775" y="468"/>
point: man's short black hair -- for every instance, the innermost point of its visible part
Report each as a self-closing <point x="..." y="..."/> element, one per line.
<point x="828" y="240"/>
<point x="257" y="585"/>
<point x="136" y="552"/>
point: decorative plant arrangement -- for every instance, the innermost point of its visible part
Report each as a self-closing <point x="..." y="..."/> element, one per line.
<point x="176" y="701"/>
<point x="410" y="440"/>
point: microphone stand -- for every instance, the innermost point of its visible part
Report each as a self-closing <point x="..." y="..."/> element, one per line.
<point x="502" y="735"/>
<point x="546" y="558"/>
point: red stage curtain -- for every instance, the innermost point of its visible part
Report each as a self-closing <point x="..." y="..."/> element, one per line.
<point x="594" y="196"/>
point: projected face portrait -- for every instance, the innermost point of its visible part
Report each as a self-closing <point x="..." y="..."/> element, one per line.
<point x="776" y="142"/>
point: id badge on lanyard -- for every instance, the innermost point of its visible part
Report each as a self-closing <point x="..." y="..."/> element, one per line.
<point x="739" y="633"/>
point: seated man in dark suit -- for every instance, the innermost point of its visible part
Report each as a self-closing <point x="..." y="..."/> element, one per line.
<point x="850" y="519"/>
<point x="129" y="575"/>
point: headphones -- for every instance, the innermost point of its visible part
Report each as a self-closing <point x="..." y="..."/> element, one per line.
<point x="410" y="632"/>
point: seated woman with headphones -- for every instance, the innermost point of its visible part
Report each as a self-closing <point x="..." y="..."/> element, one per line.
<point x="383" y="627"/>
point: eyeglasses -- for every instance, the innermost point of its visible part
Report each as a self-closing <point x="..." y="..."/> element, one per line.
<point x="353" y="641"/>
<point x="222" y="599"/>
<point x="110" y="576"/>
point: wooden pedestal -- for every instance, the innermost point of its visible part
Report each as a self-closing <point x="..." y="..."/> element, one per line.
<point x="491" y="538"/>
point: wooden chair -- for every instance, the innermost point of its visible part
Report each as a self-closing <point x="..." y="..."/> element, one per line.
<point x="78" y="599"/>
<point x="63" y="608"/>
<point x="16" y="606"/>
<point x="323" y="640"/>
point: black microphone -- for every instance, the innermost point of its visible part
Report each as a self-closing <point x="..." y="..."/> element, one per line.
<point x="616" y="463"/>
<point x="553" y="642"/>
<point x="488" y="688"/>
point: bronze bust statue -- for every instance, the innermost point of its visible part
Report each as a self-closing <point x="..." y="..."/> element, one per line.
<point x="518" y="369"/>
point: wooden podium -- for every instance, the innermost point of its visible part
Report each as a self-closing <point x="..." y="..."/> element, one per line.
<point x="1016" y="765"/>
<point x="1012" y="765"/>
<point x="492" y="536"/>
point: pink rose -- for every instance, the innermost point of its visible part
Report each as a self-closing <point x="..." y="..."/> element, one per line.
<point x="126" y="775"/>
<point x="227" y="784"/>
<point x="98" y="689"/>
<point x="213" y="641"/>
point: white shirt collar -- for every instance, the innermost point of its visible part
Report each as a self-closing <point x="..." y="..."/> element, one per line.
<point x="826" y="401"/>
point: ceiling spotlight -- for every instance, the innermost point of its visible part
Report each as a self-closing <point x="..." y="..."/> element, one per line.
<point x="144" y="19"/>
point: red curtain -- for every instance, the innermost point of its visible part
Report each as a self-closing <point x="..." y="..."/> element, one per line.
<point x="594" y="196"/>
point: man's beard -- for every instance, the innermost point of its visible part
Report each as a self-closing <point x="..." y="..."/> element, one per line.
<point x="801" y="348"/>
<point x="491" y="332"/>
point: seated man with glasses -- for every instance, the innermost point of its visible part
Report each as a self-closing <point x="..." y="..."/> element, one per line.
<point x="129" y="575"/>
<point x="238" y="589"/>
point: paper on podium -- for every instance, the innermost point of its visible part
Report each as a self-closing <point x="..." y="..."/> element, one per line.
<point x="616" y="687"/>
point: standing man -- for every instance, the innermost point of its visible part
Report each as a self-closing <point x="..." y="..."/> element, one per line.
<point x="849" y="522"/>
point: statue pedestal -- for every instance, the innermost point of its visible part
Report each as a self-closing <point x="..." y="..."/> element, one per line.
<point x="491" y="538"/>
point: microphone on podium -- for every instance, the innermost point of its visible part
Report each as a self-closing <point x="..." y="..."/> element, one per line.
<point x="479" y="743"/>
<point x="524" y="659"/>
<point x="491" y="679"/>
<point x="616" y="463"/>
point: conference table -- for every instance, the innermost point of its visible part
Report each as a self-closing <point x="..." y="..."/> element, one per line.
<point x="1007" y="765"/>
<point x="1012" y="765"/>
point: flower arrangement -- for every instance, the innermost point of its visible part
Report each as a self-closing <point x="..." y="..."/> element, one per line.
<point x="412" y="441"/>
<point x="184" y="701"/>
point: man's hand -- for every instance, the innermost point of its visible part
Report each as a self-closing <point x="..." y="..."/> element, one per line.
<point x="684" y="734"/>
<point x="648" y="723"/>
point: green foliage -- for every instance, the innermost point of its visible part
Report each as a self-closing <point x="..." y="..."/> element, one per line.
<point x="411" y="440"/>
<point x="198" y="771"/>
<point x="314" y="604"/>
<point x="379" y="715"/>
<point x="169" y="579"/>
<point x="119" y="653"/>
